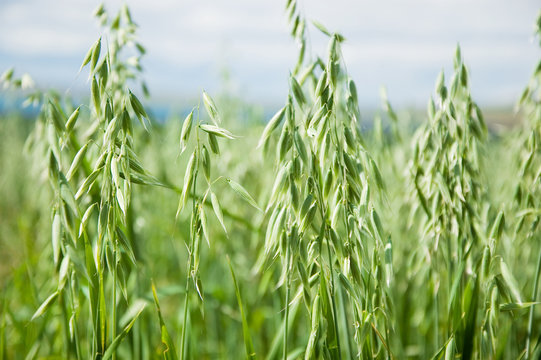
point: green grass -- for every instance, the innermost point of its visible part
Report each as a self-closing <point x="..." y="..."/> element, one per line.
<point x="295" y="237"/>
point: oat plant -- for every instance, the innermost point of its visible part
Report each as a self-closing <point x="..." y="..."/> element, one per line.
<point x="527" y="194"/>
<point x="91" y="169"/>
<point x="127" y="239"/>
<point x="335" y="256"/>
<point x="198" y="195"/>
<point x="468" y="281"/>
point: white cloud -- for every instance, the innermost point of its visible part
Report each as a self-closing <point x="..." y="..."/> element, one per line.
<point x="391" y="39"/>
<point x="56" y="28"/>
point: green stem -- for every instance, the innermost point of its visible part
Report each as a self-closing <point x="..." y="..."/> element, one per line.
<point x="186" y="299"/>
<point x="288" y="289"/>
<point x="75" y="329"/>
<point x="113" y="324"/>
<point x="436" y="322"/>
<point x="531" y="314"/>
<point x="333" y="300"/>
<point x="450" y="324"/>
<point x="185" y="319"/>
<point x="193" y="236"/>
<point x="65" y="326"/>
<point x="92" y="290"/>
<point x="344" y="319"/>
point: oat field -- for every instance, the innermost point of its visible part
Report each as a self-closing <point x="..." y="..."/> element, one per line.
<point x="303" y="235"/>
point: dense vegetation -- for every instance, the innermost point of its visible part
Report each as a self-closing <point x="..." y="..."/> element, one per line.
<point x="304" y="236"/>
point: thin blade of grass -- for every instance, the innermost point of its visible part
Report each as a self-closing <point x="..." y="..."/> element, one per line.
<point x="250" y="352"/>
<point x="116" y="342"/>
<point x="170" y="352"/>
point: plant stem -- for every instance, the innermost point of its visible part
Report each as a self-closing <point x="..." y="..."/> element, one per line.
<point x="531" y="315"/>
<point x="113" y="324"/>
<point x="345" y="320"/>
<point x="333" y="300"/>
<point x="185" y="319"/>
<point x="288" y="289"/>
<point x="191" y="250"/>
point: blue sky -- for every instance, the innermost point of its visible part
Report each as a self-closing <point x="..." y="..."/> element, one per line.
<point x="399" y="44"/>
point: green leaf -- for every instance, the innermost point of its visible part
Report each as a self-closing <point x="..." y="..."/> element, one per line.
<point x="95" y="92"/>
<point x="57" y="117"/>
<point x="497" y="228"/>
<point x="443" y="349"/>
<point x="188" y="180"/>
<point x="7" y="75"/>
<point x="377" y="175"/>
<point x="72" y="119"/>
<point x="170" y="352"/>
<point x="312" y="339"/>
<point x="271" y="125"/>
<point x="213" y="143"/>
<point x="56" y="234"/>
<point x="116" y="342"/>
<point x="89" y="53"/>
<point x="243" y="193"/>
<point x="301" y="149"/>
<point x="518" y="306"/>
<point x="205" y="161"/>
<point x="297" y="91"/>
<point x="87" y="183"/>
<point x="321" y="28"/>
<point x="211" y="108"/>
<point x="67" y="195"/>
<point x="376" y="225"/>
<point x="204" y="225"/>
<point x="125" y="244"/>
<point x="137" y="106"/>
<point x="511" y="282"/>
<point x="250" y="352"/>
<point x="218" y="131"/>
<point x="217" y="210"/>
<point x="95" y="55"/>
<point x="185" y="132"/>
<point x="45" y="305"/>
<point x="77" y="160"/>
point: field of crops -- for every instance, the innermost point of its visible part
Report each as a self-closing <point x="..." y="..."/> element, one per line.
<point x="225" y="235"/>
